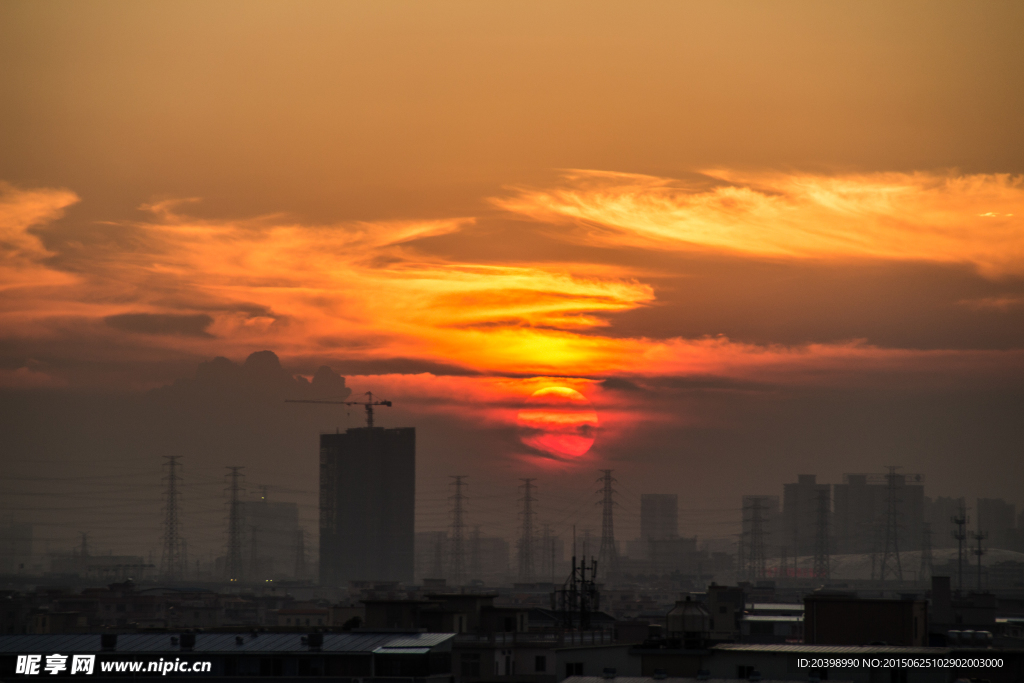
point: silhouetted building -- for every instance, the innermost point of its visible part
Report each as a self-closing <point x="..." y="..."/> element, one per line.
<point x="776" y="541"/>
<point x="726" y="605"/>
<point x="939" y="512"/>
<point x="659" y="544"/>
<point x="799" y="512"/>
<point x="860" y="509"/>
<point x="367" y="499"/>
<point x="849" y="620"/>
<point x="659" y="516"/>
<point x="16" y="554"/>
<point x="997" y="518"/>
<point x="432" y="554"/>
<point x="269" y="532"/>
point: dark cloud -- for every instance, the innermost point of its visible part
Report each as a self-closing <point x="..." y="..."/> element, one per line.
<point x="261" y="375"/>
<point x="161" y="323"/>
<point x="683" y="383"/>
<point x="399" y="366"/>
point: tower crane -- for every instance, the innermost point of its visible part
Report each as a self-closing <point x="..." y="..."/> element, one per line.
<point x="369" y="403"/>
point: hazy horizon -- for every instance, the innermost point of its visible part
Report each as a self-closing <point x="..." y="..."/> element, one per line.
<point x="754" y="241"/>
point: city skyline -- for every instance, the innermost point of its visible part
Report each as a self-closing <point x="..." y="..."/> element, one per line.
<point x="710" y="247"/>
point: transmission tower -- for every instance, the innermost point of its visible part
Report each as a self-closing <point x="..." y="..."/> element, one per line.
<point x="458" y="573"/>
<point x="925" y="572"/>
<point x="891" y="566"/>
<point x="526" y="535"/>
<point x="234" y="563"/>
<point x="757" y="559"/>
<point x="960" y="519"/>
<point x="979" y="537"/>
<point x="608" y="555"/>
<point x="300" y="554"/>
<point x="822" y="558"/>
<point x="172" y="558"/>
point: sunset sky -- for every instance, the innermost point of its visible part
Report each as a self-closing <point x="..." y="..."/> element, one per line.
<point x="759" y="239"/>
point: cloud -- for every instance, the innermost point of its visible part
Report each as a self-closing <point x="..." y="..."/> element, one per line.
<point x="27" y="378"/>
<point x="974" y="219"/>
<point x="993" y="303"/>
<point x="22" y="253"/>
<point x="368" y="298"/>
<point x="352" y="291"/>
<point x="156" y="323"/>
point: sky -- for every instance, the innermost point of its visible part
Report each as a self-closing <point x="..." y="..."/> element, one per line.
<point x="744" y="240"/>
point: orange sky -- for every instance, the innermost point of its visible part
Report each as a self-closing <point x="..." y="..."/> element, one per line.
<point x="666" y="206"/>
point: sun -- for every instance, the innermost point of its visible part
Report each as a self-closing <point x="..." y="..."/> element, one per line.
<point x="558" y="421"/>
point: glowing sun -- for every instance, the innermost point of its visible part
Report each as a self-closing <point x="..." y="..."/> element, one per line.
<point x="558" y="421"/>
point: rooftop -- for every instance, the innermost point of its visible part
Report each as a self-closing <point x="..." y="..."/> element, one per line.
<point x="355" y="643"/>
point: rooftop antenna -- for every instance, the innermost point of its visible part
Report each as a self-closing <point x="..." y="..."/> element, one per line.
<point x="369" y="403"/>
<point x="979" y="537"/>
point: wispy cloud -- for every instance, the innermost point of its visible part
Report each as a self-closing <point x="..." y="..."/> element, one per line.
<point x="367" y="291"/>
<point x="22" y="253"/>
<point x="972" y="219"/>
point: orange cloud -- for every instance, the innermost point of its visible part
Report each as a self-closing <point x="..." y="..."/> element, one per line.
<point x="975" y="219"/>
<point x="365" y="291"/>
<point x="22" y="254"/>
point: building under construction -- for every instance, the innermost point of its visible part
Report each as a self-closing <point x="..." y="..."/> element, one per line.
<point x="367" y="496"/>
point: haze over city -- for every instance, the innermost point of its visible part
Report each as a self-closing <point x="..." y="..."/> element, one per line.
<point x="737" y="242"/>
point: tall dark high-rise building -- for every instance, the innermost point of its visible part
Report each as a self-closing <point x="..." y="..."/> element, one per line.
<point x="860" y="513"/>
<point x="659" y="516"/>
<point x="799" y="512"/>
<point x="997" y="518"/>
<point x="367" y="501"/>
<point x="268" y="533"/>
